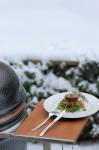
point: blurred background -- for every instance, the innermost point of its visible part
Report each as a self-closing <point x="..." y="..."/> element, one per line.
<point x="52" y="27"/>
<point x="53" y="45"/>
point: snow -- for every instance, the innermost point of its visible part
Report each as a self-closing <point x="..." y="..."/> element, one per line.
<point x="53" y="82"/>
<point x="48" y="86"/>
<point x="48" y="83"/>
<point x="53" y="29"/>
<point x="95" y="130"/>
<point x="92" y="87"/>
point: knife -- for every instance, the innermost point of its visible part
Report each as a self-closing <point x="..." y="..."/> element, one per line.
<point x="54" y="121"/>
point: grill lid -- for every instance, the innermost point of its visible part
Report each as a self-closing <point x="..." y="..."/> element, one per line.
<point x="12" y="93"/>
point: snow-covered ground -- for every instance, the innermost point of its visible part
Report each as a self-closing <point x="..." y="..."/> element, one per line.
<point x="49" y="28"/>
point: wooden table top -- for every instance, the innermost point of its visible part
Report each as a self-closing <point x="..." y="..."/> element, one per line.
<point x="65" y="130"/>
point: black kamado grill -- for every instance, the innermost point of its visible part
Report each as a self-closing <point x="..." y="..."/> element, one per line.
<point x="12" y="98"/>
<point x="12" y="101"/>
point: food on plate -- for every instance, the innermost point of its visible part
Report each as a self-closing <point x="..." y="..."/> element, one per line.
<point x="72" y="102"/>
<point x="71" y="98"/>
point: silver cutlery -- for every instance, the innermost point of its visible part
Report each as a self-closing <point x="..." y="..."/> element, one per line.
<point x="54" y="121"/>
<point x="41" y="124"/>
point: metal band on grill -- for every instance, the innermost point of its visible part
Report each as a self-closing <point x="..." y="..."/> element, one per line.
<point x="12" y="115"/>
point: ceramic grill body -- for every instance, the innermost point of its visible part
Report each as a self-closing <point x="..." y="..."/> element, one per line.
<point x="12" y="98"/>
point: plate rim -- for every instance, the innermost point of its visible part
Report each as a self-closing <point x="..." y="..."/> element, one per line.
<point x="73" y="117"/>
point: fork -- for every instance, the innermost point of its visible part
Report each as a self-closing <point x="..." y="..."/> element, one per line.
<point x="61" y="114"/>
<point x="41" y="124"/>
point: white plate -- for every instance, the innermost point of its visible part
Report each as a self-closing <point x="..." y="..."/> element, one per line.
<point x="92" y="106"/>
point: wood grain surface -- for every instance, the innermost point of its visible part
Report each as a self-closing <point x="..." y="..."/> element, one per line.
<point x="67" y="130"/>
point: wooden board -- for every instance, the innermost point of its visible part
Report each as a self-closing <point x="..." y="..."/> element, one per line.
<point x="65" y="130"/>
